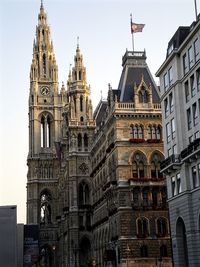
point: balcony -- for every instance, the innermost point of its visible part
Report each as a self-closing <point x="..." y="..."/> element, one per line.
<point x="191" y="151"/>
<point x="171" y="163"/>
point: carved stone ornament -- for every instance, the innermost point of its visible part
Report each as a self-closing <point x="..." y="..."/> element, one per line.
<point x="84" y="168"/>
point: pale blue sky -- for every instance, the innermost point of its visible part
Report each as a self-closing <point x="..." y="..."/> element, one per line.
<point x="103" y="27"/>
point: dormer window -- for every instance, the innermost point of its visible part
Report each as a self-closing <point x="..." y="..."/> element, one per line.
<point x="143" y="96"/>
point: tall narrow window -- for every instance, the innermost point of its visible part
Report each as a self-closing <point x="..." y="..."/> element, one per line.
<point x="198" y="79"/>
<point x="194" y="177"/>
<point x="196" y="50"/>
<point x="48" y="131"/>
<point x="187" y="92"/>
<point x="192" y="86"/>
<point x="173" y="186"/>
<point x="185" y="64"/>
<point x="44" y="64"/>
<point x="166" y="104"/>
<point x="42" y="126"/>
<point x="189" y="119"/>
<point x="173" y="128"/>
<point x="85" y="140"/>
<point x="79" y="140"/>
<point x="79" y="75"/>
<point x="140" y="132"/>
<point x="170" y="76"/>
<point x="161" y="227"/>
<point x="81" y="103"/>
<point x="166" y="84"/>
<point x="171" y="102"/>
<point x="178" y="178"/>
<point x="195" y="114"/>
<point x="168" y="132"/>
<point x="190" y="57"/>
<point x="142" y="227"/>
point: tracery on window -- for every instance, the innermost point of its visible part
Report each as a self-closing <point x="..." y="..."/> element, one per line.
<point x="155" y="165"/>
<point x="138" y="165"/>
<point x="84" y="193"/>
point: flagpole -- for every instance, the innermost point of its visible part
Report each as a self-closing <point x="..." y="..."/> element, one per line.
<point x="195" y="6"/>
<point x="132" y="32"/>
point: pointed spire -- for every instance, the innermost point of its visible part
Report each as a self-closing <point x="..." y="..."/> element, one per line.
<point x="77" y="41"/>
<point x="41" y="5"/>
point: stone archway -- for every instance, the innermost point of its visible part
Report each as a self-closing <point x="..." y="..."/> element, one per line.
<point x="181" y="243"/>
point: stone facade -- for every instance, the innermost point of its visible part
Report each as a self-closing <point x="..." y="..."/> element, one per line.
<point x="180" y="95"/>
<point x="94" y="184"/>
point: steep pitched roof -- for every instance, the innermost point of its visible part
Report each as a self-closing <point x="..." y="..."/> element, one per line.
<point x="134" y="69"/>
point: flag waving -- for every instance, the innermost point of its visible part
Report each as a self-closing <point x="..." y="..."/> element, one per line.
<point x="135" y="27"/>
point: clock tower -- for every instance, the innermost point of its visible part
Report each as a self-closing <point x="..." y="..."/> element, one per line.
<point x="45" y="104"/>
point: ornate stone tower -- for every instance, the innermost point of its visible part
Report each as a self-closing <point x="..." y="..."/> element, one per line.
<point x="45" y="105"/>
<point x="74" y="181"/>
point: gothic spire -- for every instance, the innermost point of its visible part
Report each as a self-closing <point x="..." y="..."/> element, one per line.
<point x="43" y="51"/>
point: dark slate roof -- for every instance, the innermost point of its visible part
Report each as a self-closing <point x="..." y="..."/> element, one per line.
<point x="100" y="112"/>
<point x="178" y="38"/>
<point x="134" y="68"/>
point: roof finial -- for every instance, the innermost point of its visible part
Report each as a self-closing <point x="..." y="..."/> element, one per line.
<point x="77" y="41"/>
<point x="41" y="4"/>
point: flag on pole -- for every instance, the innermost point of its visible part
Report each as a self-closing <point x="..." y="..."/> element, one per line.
<point x="135" y="27"/>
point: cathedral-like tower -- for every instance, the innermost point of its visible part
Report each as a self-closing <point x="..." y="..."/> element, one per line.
<point x="74" y="180"/>
<point x="45" y="104"/>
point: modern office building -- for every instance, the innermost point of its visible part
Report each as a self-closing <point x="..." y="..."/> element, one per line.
<point x="94" y="185"/>
<point x="180" y="96"/>
<point x="8" y="236"/>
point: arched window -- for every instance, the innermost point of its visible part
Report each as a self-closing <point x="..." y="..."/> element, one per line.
<point x="42" y="129"/>
<point x="163" y="251"/>
<point x="44" y="64"/>
<point x="81" y="103"/>
<point x="140" y="132"/>
<point x="85" y="140"/>
<point x="45" y="131"/>
<point x="45" y="208"/>
<point x="159" y="132"/>
<point x="75" y="76"/>
<point x="79" y="140"/>
<point x="144" y="251"/>
<point x="155" y="166"/>
<point x="138" y="167"/>
<point x="84" y="194"/>
<point x="181" y="239"/>
<point x="79" y="75"/>
<point x="142" y="227"/>
<point x="162" y="227"/>
<point x="48" y="131"/>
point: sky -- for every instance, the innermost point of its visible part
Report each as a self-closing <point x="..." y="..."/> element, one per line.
<point x="103" y="27"/>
